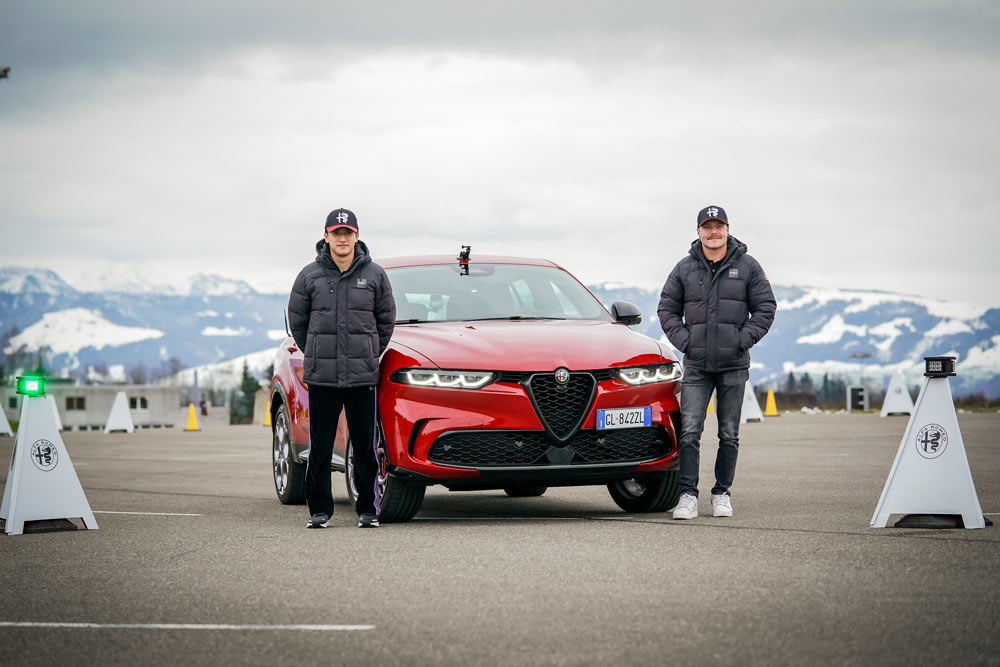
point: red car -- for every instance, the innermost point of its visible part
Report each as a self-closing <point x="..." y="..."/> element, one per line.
<point x="502" y="373"/>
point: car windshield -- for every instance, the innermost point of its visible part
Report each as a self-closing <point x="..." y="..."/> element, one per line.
<point x="490" y="291"/>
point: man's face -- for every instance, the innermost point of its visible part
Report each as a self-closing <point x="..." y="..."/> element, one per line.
<point x="713" y="234"/>
<point x="341" y="241"/>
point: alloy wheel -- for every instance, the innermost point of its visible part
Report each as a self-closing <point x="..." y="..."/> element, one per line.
<point x="281" y="451"/>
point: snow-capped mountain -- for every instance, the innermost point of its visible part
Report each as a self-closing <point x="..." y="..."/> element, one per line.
<point x="859" y="334"/>
<point x="14" y="280"/>
<point x="211" y="319"/>
<point x="205" y="320"/>
<point x="71" y="330"/>
<point x="225" y="374"/>
<point x="118" y="279"/>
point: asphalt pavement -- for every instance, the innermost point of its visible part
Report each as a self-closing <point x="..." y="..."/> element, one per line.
<point x="195" y="562"/>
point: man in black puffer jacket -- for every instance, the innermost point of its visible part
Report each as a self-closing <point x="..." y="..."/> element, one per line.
<point x="341" y="313"/>
<point x="716" y="304"/>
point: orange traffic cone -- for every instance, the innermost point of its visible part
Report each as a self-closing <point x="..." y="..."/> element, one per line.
<point x="192" y="420"/>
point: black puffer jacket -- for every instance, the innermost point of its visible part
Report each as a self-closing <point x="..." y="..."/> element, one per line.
<point x="708" y="317"/>
<point x="342" y="322"/>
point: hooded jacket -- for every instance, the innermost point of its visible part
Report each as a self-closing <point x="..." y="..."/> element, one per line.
<point x="342" y="322"/>
<point x="714" y="319"/>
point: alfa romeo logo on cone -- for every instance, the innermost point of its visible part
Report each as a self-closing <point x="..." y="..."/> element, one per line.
<point x="562" y="375"/>
<point x="931" y="441"/>
<point x="44" y="455"/>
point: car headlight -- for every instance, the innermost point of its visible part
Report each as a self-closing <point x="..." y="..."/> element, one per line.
<point x="649" y="374"/>
<point x="420" y="377"/>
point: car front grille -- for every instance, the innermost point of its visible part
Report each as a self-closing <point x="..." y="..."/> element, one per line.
<point x="485" y="449"/>
<point x="561" y="406"/>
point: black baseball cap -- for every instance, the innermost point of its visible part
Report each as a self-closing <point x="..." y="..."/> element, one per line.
<point x="712" y="213"/>
<point x="341" y="217"/>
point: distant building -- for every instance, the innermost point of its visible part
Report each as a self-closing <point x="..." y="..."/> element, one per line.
<point x="86" y="408"/>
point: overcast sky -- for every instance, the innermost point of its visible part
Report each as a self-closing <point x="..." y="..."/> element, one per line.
<point x="853" y="144"/>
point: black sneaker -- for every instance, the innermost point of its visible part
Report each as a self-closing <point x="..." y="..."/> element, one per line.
<point x="367" y="521"/>
<point x="318" y="521"/>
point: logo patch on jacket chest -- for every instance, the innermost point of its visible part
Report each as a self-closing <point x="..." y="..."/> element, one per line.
<point x="734" y="273"/>
<point x="362" y="282"/>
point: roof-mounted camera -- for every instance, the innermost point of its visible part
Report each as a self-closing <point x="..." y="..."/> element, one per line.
<point x="463" y="259"/>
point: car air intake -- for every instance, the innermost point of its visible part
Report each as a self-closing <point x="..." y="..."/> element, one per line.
<point x="488" y="449"/>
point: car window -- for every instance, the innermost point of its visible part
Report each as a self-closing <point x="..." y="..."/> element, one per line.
<point x="565" y="303"/>
<point x="522" y="294"/>
<point x="490" y="291"/>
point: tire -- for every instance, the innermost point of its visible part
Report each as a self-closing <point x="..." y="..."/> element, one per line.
<point x="400" y="501"/>
<point x="289" y="476"/>
<point x="525" y="491"/>
<point x="649" y="494"/>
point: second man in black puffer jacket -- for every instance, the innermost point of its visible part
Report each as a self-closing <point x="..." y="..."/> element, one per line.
<point x="716" y="304"/>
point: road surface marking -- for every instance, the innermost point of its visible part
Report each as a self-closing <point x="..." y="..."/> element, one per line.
<point x="184" y="626"/>
<point x="144" y="513"/>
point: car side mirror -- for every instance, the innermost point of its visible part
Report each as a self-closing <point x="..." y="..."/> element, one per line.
<point x="626" y="312"/>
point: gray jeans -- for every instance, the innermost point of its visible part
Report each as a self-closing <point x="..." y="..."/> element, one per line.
<point x="696" y="390"/>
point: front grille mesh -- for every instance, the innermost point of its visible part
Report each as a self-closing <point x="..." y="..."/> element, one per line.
<point x="484" y="449"/>
<point x="489" y="448"/>
<point x="562" y="406"/>
<point x="627" y="444"/>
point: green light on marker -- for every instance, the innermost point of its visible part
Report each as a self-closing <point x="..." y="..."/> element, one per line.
<point x="28" y="386"/>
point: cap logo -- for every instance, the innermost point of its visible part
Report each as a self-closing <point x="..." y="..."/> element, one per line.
<point x="713" y="211"/>
<point x="342" y="217"/>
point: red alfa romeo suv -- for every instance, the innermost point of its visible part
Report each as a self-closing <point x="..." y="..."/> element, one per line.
<point x="502" y="373"/>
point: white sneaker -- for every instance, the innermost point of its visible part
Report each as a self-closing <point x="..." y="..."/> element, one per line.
<point x="687" y="507"/>
<point x="721" y="505"/>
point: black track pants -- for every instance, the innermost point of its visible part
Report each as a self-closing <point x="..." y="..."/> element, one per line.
<point x="325" y="404"/>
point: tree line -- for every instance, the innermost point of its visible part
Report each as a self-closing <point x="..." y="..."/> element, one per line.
<point x="829" y="390"/>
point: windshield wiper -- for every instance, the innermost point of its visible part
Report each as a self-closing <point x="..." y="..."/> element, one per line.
<point x="412" y="320"/>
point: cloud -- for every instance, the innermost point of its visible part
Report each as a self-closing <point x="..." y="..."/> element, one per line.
<point x="840" y="138"/>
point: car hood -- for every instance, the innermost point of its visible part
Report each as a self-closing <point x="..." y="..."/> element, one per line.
<point x="528" y="344"/>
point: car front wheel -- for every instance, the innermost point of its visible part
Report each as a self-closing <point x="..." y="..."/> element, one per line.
<point x="289" y="476"/>
<point x="399" y="501"/>
<point x="648" y="494"/>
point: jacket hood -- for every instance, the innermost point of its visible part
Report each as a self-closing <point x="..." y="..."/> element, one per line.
<point x="734" y="248"/>
<point x="361" y="254"/>
<point x="528" y="345"/>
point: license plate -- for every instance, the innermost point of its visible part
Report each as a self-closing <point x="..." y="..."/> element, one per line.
<point x="624" y="418"/>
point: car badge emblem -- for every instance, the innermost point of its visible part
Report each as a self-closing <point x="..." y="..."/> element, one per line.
<point x="562" y="375"/>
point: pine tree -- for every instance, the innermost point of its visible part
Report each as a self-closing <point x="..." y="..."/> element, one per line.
<point x="242" y="399"/>
<point x="248" y="384"/>
<point x="791" y="386"/>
